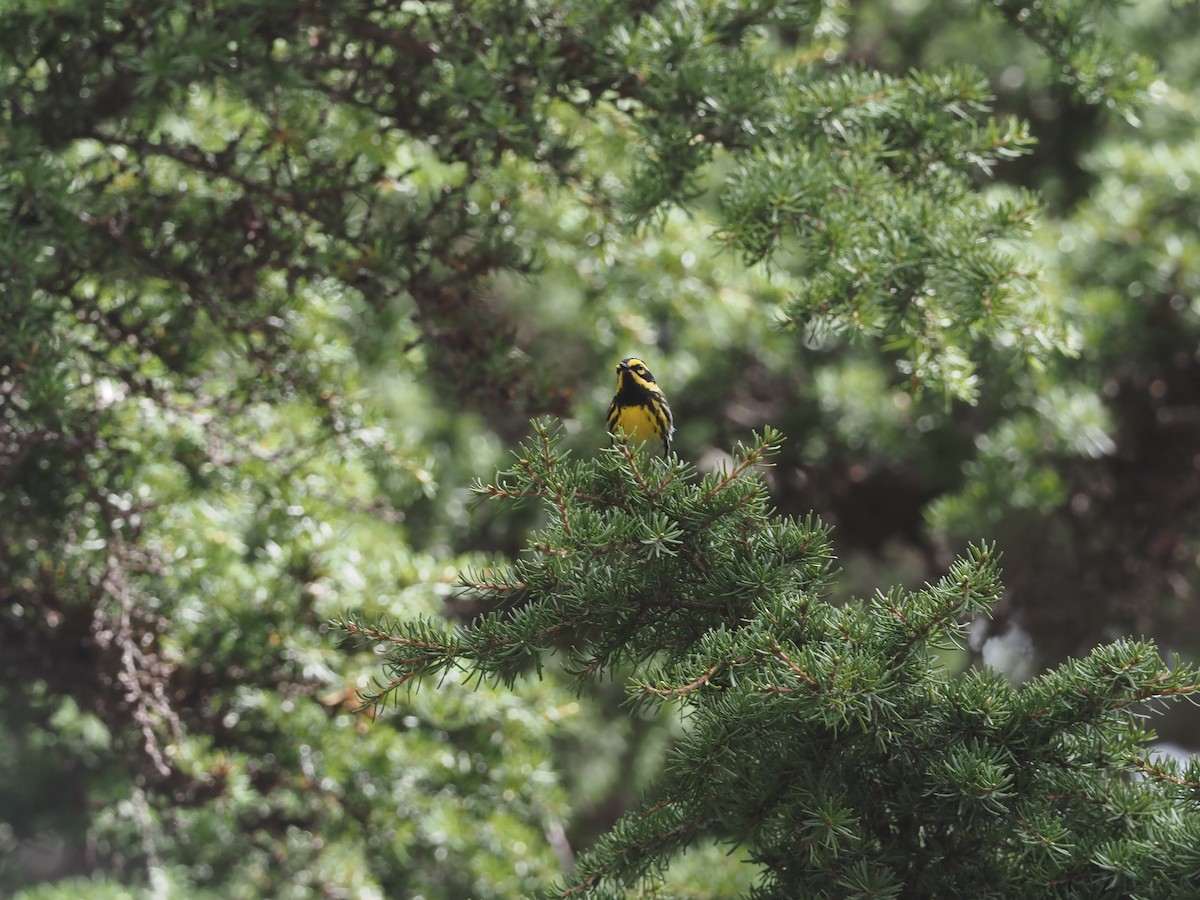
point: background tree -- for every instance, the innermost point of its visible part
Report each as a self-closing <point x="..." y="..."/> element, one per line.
<point x="279" y="281"/>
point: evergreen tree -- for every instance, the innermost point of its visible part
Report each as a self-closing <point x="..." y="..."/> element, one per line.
<point x="276" y="279"/>
<point x="827" y="742"/>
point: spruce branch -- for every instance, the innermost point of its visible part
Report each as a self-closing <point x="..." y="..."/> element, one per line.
<point x="634" y="560"/>
<point x="827" y="741"/>
<point x="1067" y="31"/>
<point x="805" y="697"/>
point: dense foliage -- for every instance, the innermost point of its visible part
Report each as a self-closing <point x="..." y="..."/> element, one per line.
<point x="278" y="281"/>
<point x="829" y="742"/>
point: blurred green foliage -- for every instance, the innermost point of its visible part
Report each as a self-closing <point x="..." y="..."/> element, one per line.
<point x="277" y="282"/>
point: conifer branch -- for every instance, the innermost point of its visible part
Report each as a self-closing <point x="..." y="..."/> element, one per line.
<point x="795" y="669"/>
<point x="1161" y="772"/>
<point x="810" y="726"/>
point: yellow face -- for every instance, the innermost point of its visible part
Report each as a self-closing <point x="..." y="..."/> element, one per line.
<point x="635" y="370"/>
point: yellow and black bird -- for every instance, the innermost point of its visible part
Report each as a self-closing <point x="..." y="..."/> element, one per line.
<point x="639" y="407"/>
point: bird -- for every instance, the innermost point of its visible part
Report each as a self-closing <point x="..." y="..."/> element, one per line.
<point x="639" y="408"/>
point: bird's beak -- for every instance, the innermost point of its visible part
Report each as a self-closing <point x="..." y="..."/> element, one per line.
<point x="622" y="367"/>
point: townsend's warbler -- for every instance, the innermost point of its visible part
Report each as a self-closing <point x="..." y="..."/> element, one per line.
<point x="639" y="407"/>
